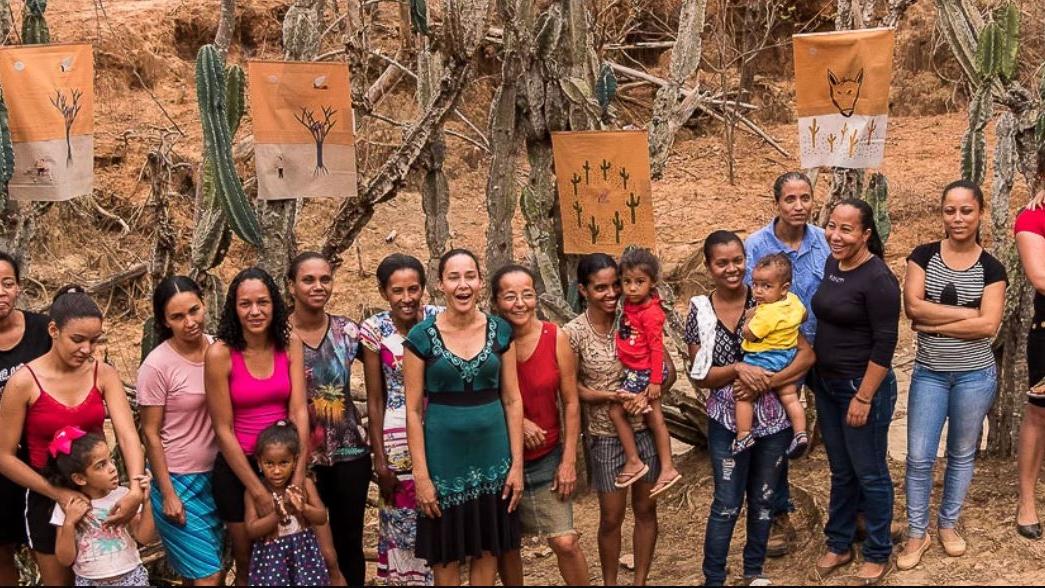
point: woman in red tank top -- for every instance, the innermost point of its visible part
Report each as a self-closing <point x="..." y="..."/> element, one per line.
<point x="66" y="386"/>
<point x="547" y="378"/>
<point x="254" y="375"/>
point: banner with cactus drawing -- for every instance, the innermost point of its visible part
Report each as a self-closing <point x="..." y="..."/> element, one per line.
<point x="49" y="91"/>
<point x="304" y="145"/>
<point x="605" y="195"/>
<point x="842" y="96"/>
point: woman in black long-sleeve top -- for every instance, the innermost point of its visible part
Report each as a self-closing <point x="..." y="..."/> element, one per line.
<point x="858" y="308"/>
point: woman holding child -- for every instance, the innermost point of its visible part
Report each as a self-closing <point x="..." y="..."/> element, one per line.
<point x="714" y="332"/>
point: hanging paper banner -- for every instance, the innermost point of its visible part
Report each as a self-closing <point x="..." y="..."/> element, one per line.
<point x="842" y="96"/>
<point x="605" y="194"/>
<point x="49" y="92"/>
<point x="304" y="146"/>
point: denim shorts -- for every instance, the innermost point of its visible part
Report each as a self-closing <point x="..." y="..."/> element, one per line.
<point x="541" y="512"/>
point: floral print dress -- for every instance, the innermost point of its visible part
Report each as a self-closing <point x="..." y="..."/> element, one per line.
<point x="397" y="565"/>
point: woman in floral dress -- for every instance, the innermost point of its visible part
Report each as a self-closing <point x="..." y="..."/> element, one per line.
<point x="401" y="279"/>
<point x="339" y="454"/>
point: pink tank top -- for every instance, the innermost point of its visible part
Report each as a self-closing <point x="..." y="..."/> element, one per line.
<point x="257" y="402"/>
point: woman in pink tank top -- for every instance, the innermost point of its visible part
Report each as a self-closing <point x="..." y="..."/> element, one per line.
<point x="547" y="377"/>
<point x="66" y="386"/>
<point x="254" y="376"/>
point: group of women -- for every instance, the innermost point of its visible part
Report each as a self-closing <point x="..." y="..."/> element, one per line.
<point x="475" y="417"/>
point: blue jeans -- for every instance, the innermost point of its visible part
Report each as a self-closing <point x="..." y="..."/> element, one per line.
<point x="753" y="473"/>
<point x="860" y="480"/>
<point x="962" y="399"/>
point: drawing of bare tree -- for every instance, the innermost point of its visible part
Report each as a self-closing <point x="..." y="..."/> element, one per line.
<point x="69" y="112"/>
<point x="319" y="130"/>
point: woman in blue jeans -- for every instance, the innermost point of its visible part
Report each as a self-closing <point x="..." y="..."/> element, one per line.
<point x="858" y="309"/>
<point x="954" y="295"/>
<point x="713" y="334"/>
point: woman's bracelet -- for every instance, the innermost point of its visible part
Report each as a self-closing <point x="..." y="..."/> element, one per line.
<point x="861" y="400"/>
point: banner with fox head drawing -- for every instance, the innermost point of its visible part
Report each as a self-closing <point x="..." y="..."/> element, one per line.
<point x="49" y="93"/>
<point x="842" y="96"/>
<point x="304" y="145"/>
<point x="605" y="194"/>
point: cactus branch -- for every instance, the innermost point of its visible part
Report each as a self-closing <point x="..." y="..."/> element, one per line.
<point x="854" y="140"/>
<point x="831" y="142"/>
<point x="872" y="126"/>
<point x="813" y="130"/>
<point x="587" y="172"/>
<point x="624" y="175"/>
<point x="575" y="180"/>
<point x="579" y="210"/>
<point x="605" y="167"/>
<point x="618" y="226"/>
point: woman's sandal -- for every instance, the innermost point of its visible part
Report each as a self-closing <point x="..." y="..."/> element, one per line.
<point x="909" y="561"/>
<point x="662" y="487"/>
<point x="630" y="478"/>
<point x="824" y="572"/>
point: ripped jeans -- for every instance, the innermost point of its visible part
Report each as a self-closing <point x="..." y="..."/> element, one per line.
<point x="753" y="473"/>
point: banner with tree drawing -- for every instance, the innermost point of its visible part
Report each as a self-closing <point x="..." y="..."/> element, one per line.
<point x="49" y="92"/>
<point x="842" y="96"/>
<point x="605" y="195"/>
<point x="304" y="145"/>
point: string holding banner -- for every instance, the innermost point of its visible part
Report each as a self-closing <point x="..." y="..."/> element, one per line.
<point x="842" y="84"/>
<point x="49" y="92"/>
<point x="304" y="141"/>
<point x="605" y="193"/>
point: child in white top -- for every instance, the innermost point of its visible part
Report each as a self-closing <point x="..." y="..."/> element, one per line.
<point x="100" y="554"/>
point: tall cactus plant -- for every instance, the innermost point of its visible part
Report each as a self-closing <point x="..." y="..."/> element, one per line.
<point x="34" y="25"/>
<point x="214" y="116"/>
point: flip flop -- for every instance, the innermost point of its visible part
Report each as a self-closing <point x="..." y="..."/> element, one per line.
<point x="631" y="478"/>
<point x="663" y="487"/>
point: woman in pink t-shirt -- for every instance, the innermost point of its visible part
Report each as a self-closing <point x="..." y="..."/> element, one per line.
<point x="179" y="438"/>
<point x="254" y="376"/>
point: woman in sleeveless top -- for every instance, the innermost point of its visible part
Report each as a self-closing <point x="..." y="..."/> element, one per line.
<point x="401" y="282"/>
<point x="64" y="387"/>
<point x="254" y="375"/>
<point x="466" y="444"/>
<point x="1030" y="241"/>
<point x="547" y="376"/>
<point x="179" y="437"/>
<point x="339" y="454"/>
<point x="23" y="338"/>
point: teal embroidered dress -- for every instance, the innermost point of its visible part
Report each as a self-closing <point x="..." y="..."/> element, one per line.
<point x="466" y="446"/>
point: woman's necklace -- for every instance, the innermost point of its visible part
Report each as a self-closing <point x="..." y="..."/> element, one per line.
<point x="867" y="255"/>
<point x="591" y="324"/>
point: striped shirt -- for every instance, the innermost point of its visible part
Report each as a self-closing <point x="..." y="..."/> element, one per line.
<point x="947" y="286"/>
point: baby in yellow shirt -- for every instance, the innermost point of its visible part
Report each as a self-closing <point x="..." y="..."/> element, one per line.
<point x="771" y="342"/>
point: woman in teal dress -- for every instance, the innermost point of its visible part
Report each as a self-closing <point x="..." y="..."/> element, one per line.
<point x="464" y="429"/>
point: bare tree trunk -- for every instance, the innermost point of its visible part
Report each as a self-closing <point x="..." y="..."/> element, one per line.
<point x="226" y="24"/>
<point x="406" y="29"/>
<point x="668" y="114"/>
<point x="435" y="190"/>
<point x="500" y="183"/>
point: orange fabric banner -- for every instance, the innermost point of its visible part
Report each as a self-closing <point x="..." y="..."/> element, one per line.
<point x="304" y="144"/>
<point x="49" y="91"/>
<point x="842" y="96"/>
<point x="605" y="193"/>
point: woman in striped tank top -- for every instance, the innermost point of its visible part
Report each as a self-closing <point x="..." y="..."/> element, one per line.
<point x="254" y="375"/>
<point x="954" y="295"/>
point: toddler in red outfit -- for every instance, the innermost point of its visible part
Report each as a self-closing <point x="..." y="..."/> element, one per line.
<point x="640" y="347"/>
